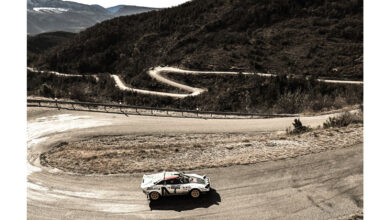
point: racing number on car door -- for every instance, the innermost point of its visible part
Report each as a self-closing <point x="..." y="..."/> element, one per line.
<point x="164" y="191"/>
<point x="174" y="189"/>
<point x="173" y="186"/>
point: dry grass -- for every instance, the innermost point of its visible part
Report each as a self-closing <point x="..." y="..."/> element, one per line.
<point x="356" y="216"/>
<point x="344" y="120"/>
<point x="132" y="153"/>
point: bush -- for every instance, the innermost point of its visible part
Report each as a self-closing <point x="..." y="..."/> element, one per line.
<point x="46" y="91"/>
<point x="299" y="128"/>
<point x="292" y="102"/>
<point x="344" y="120"/>
<point x="77" y="93"/>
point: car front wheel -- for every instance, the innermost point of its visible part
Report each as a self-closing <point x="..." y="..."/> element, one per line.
<point x="154" y="196"/>
<point x="195" y="193"/>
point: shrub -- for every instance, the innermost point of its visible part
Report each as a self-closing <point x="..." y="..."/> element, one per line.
<point x="292" y="102"/>
<point x="46" y="91"/>
<point x="299" y="128"/>
<point x="344" y="120"/>
<point x="77" y="93"/>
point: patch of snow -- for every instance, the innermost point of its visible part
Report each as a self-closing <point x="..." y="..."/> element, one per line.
<point x="50" y="10"/>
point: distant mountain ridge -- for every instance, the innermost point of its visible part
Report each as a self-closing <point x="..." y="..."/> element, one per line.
<point x="57" y="15"/>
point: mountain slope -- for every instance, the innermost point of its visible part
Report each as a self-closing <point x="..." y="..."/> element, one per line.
<point x="58" y="15"/>
<point x="39" y="43"/>
<point x="318" y="37"/>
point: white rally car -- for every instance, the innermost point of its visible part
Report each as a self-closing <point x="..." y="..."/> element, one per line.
<point x="174" y="183"/>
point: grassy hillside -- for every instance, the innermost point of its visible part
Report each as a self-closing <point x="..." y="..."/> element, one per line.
<point x="323" y="38"/>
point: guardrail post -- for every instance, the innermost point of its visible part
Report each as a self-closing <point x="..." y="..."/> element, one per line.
<point x="151" y="111"/>
<point x="167" y="112"/>
<point x="57" y="104"/>
<point x="136" y="110"/>
<point x="39" y="104"/>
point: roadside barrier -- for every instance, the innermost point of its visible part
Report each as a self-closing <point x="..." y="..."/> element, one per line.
<point x="146" y="111"/>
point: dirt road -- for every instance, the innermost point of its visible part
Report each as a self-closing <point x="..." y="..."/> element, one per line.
<point x="155" y="73"/>
<point x="318" y="186"/>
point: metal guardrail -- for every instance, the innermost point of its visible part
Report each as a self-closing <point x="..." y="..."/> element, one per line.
<point x="143" y="110"/>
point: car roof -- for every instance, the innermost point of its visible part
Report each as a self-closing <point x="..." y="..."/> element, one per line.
<point x="171" y="177"/>
<point x="157" y="177"/>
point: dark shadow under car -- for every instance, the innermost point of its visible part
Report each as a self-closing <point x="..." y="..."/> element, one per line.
<point x="185" y="202"/>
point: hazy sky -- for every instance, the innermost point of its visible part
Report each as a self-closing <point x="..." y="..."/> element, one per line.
<point x="148" y="3"/>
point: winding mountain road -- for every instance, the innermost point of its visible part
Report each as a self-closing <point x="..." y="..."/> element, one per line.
<point x="156" y="74"/>
<point x="318" y="186"/>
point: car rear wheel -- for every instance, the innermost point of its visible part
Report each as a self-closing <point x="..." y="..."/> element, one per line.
<point x="154" y="196"/>
<point x="195" y="193"/>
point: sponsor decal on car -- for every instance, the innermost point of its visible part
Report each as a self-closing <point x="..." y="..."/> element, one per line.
<point x="153" y="188"/>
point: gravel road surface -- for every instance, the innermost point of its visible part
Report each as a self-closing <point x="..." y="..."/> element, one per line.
<point x="318" y="186"/>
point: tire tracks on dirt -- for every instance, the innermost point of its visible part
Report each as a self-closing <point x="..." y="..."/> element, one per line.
<point x="318" y="186"/>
